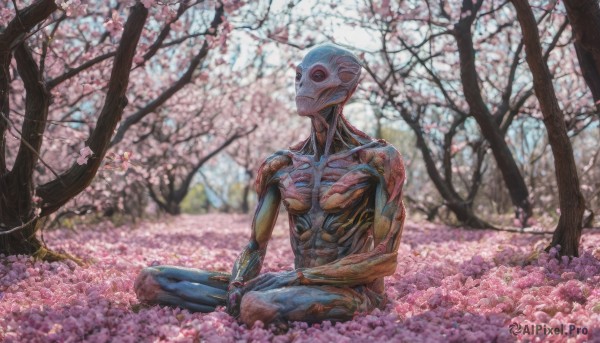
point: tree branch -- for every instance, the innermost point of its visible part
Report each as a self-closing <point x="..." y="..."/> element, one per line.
<point x="78" y="177"/>
<point x="584" y="16"/>
<point x="183" y="189"/>
<point x="72" y="72"/>
<point x="164" y="33"/>
<point x="169" y="92"/>
<point x="31" y="148"/>
<point x="25" y="20"/>
<point x="15" y="31"/>
<point x="37" y="101"/>
<point x="17" y="228"/>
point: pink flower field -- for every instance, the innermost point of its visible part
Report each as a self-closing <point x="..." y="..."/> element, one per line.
<point x="451" y="285"/>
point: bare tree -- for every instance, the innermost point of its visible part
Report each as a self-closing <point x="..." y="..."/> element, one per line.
<point x="418" y="83"/>
<point x="488" y="123"/>
<point x="572" y="204"/>
<point x="173" y="188"/>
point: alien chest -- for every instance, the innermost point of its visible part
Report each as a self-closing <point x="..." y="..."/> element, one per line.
<point x="331" y="186"/>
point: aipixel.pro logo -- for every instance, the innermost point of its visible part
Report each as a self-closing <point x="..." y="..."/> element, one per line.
<point x="543" y="329"/>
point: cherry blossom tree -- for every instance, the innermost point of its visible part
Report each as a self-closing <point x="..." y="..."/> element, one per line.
<point x="19" y="213"/>
<point x="483" y="84"/>
<point x="70" y="71"/>
<point x="172" y="144"/>
<point x="455" y="73"/>
<point x="584" y="17"/>
<point x="431" y="79"/>
<point x="176" y="150"/>
<point x="572" y="204"/>
<point x="271" y="136"/>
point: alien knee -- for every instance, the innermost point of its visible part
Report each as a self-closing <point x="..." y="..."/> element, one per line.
<point x="146" y="287"/>
<point x="256" y="306"/>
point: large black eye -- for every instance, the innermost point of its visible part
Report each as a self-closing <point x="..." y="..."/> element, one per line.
<point x="318" y="75"/>
<point x="298" y="76"/>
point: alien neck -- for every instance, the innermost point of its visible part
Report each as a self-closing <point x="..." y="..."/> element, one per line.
<point x="324" y="126"/>
<point x="344" y="136"/>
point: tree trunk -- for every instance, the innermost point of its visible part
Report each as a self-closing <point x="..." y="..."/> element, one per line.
<point x="572" y="205"/>
<point x="584" y="16"/>
<point x="245" y="206"/>
<point x="378" y="128"/>
<point x="246" y="192"/>
<point x="18" y="223"/>
<point x="173" y="208"/>
<point x="461" y="208"/>
<point x="490" y="129"/>
<point x="17" y="205"/>
<point x="25" y="242"/>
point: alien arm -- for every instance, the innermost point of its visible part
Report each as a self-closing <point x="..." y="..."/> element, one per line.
<point x="366" y="267"/>
<point x="249" y="263"/>
<point x="388" y="223"/>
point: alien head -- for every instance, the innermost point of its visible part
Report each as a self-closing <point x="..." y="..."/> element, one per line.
<point x="327" y="76"/>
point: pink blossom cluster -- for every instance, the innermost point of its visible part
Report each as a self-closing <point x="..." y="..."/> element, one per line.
<point x="451" y="285"/>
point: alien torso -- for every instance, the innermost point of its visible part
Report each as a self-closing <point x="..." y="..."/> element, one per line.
<point x="330" y="203"/>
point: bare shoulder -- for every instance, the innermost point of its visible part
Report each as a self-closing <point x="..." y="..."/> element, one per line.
<point x="269" y="168"/>
<point x="384" y="158"/>
<point x="382" y="155"/>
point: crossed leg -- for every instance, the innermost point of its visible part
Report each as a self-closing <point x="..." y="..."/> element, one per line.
<point x="193" y="289"/>
<point x="311" y="304"/>
<point x="202" y="291"/>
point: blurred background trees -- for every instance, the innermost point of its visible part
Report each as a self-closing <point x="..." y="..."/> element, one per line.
<point x="209" y="94"/>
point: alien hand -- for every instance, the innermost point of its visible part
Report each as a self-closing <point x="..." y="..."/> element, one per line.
<point x="234" y="298"/>
<point x="267" y="281"/>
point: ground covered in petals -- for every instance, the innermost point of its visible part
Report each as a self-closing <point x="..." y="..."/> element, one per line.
<point x="451" y="285"/>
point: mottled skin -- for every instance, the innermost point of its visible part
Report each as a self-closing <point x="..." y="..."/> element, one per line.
<point x="342" y="191"/>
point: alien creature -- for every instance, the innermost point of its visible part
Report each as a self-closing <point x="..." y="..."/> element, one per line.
<point x="342" y="191"/>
